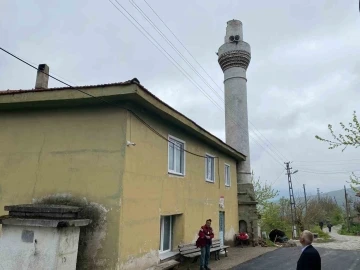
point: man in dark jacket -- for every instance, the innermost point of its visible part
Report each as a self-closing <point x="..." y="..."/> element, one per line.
<point x="204" y="243"/>
<point x="310" y="257"/>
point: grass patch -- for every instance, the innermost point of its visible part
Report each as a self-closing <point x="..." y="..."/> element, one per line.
<point x="321" y="234"/>
<point x="269" y="243"/>
<point x="320" y="240"/>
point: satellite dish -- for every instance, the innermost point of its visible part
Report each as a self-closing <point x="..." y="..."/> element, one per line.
<point x="237" y="38"/>
<point x="231" y="38"/>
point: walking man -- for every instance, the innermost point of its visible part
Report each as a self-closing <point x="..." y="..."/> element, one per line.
<point x="310" y="257"/>
<point x="329" y="225"/>
<point x="321" y="224"/>
<point x="204" y="243"/>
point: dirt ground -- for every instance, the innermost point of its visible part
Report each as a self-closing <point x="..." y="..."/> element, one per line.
<point x="236" y="256"/>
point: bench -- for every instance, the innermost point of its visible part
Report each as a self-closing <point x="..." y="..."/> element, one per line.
<point x="192" y="252"/>
<point x="167" y="265"/>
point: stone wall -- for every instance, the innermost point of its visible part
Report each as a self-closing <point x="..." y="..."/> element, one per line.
<point x="247" y="209"/>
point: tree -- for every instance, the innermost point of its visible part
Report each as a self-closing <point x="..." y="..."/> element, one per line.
<point x="263" y="191"/>
<point x="350" y="138"/>
<point x="354" y="182"/>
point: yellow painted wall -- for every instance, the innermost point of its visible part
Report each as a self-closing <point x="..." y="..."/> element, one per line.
<point x="83" y="152"/>
<point x="76" y="151"/>
<point x="149" y="192"/>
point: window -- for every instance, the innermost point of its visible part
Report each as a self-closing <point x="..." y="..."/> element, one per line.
<point x="227" y="175"/>
<point x="176" y="156"/>
<point x="165" y="233"/>
<point x="209" y="168"/>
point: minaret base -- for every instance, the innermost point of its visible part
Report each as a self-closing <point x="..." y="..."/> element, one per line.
<point x="247" y="211"/>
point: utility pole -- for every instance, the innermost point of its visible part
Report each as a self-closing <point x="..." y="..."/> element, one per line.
<point x="292" y="199"/>
<point x="305" y="198"/>
<point x="305" y="221"/>
<point x="347" y="209"/>
<point x="318" y="194"/>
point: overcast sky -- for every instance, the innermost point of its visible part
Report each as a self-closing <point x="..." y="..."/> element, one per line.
<point x="303" y="75"/>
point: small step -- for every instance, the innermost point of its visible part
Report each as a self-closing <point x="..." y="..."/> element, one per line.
<point x="167" y="265"/>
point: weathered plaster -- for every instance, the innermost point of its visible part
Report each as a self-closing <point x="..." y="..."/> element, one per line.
<point x="92" y="237"/>
<point x="141" y="261"/>
<point x="74" y="155"/>
<point x="190" y="198"/>
<point x="85" y="156"/>
<point x="45" y="248"/>
<point x="230" y="234"/>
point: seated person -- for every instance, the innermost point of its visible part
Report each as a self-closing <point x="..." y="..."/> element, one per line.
<point x="243" y="237"/>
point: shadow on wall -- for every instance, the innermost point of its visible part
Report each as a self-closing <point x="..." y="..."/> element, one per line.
<point x="91" y="236"/>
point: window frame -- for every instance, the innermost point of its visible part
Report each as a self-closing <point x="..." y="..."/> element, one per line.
<point x="206" y="179"/>
<point x="162" y="222"/>
<point x="228" y="174"/>
<point x="170" y="137"/>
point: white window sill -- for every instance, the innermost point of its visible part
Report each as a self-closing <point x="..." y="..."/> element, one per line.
<point x="167" y="255"/>
<point x="210" y="181"/>
<point x="228" y="186"/>
<point x="176" y="174"/>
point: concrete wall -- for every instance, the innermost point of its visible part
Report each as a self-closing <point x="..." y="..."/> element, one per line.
<point x="24" y="247"/>
<point x="150" y="192"/>
<point x="77" y="152"/>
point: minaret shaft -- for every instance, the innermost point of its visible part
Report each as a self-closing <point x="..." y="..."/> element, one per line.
<point x="234" y="59"/>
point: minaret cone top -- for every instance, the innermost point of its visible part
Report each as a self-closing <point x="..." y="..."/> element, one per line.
<point x="234" y="27"/>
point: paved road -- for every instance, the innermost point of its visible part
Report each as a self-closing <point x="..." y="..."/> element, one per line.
<point x="343" y="254"/>
<point x="343" y="242"/>
<point x="286" y="259"/>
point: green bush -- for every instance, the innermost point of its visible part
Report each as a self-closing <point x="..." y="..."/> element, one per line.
<point x="354" y="229"/>
<point x="321" y="234"/>
<point x="337" y="217"/>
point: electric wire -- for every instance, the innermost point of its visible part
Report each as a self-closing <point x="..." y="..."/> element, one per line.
<point x="173" y="61"/>
<point x="191" y="66"/>
<point x="105" y="101"/>
<point x="182" y="44"/>
<point x="325" y="161"/>
<point x="328" y="172"/>
<point x="273" y="183"/>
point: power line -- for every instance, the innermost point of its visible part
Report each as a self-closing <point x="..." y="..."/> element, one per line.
<point x="103" y="100"/>
<point x="182" y="44"/>
<point x="273" y="183"/>
<point x="173" y="61"/>
<point x="161" y="49"/>
<point x="325" y="172"/>
<point x="172" y="45"/>
<point x="325" y="161"/>
<point x="181" y="55"/>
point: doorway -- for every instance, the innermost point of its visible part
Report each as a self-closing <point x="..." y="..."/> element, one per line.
<point x="221" y="227"/>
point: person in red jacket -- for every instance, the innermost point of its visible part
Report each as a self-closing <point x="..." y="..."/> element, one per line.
<point x="204" y="243"/>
